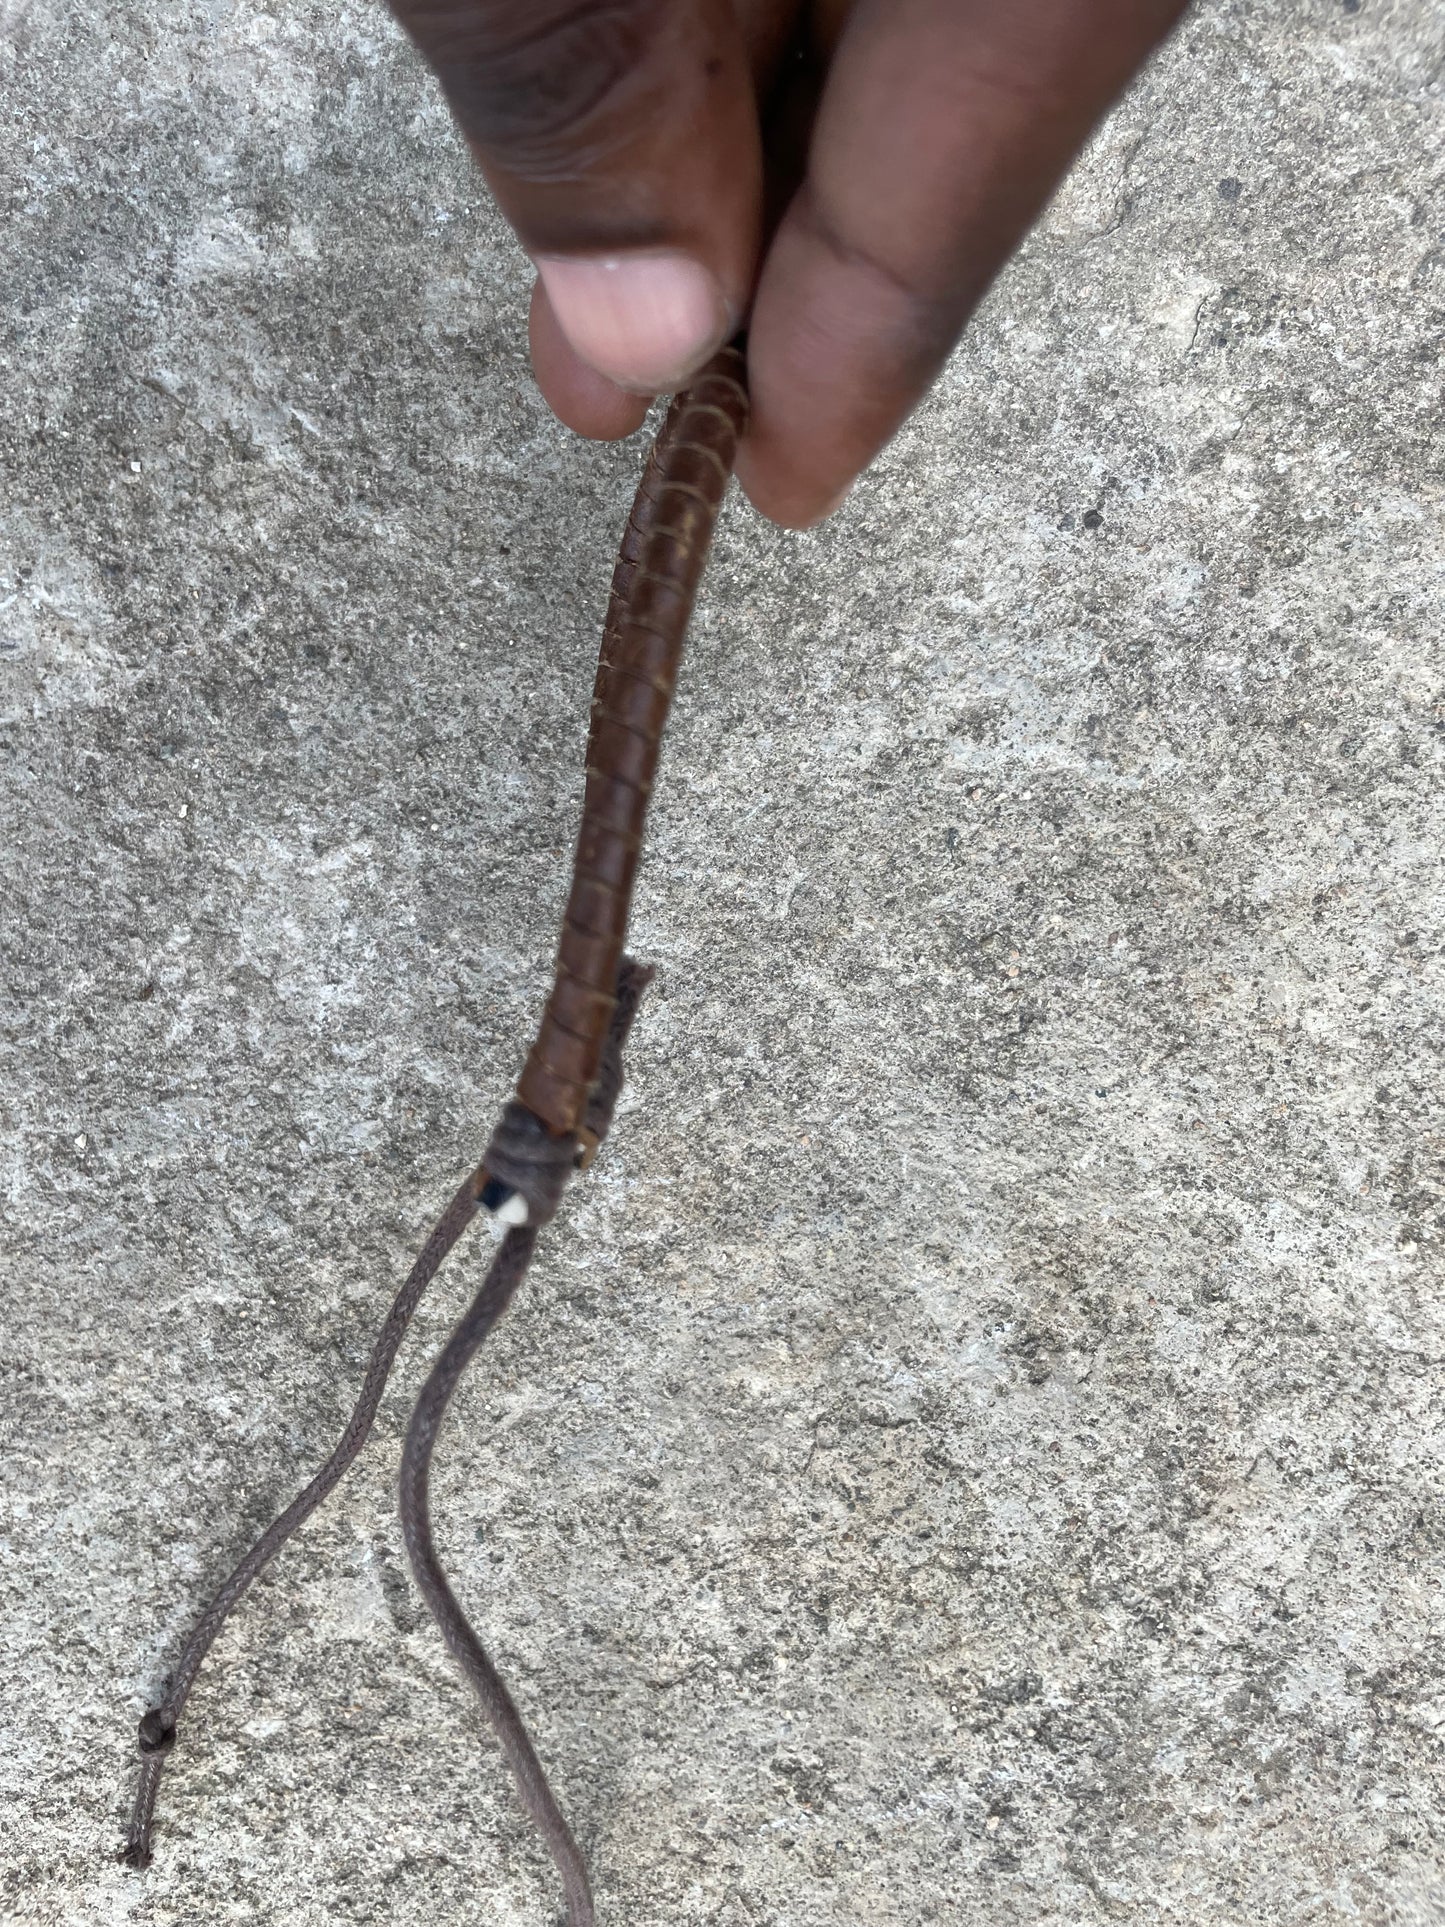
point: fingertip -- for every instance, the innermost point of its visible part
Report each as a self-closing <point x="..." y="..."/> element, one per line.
<point x="831" y="507"/>
<point x="839" y="352"/>
<point x="644" y="320"/>
<point x="785" y="496"/>
<point x="581" y="399"/>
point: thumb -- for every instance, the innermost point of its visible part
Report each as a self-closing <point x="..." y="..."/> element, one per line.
<point x="620" y="138"/>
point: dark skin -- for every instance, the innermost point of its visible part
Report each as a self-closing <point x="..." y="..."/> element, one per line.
<point x="844" y="178"/>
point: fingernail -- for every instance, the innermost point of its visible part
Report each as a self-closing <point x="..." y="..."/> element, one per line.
<point x="643" y="320"/>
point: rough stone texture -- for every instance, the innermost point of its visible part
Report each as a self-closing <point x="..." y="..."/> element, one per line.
<point x="972" y="1451"/>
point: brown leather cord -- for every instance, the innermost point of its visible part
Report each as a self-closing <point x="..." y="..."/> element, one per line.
<point x="505" y="1721"/>
<point x="537" y="1166"/>
<point x="158" y="1728"/>
<point x="426" y="1419"/>
<point x="568" y="1090"/>
<point x="658" y="569"/>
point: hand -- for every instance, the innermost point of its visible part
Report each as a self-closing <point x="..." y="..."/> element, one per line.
<point x="846" y="179"/>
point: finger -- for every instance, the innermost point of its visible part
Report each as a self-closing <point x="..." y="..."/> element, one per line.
<point x="944" y="127"/>
<point x="580" y="398"/>
<point x="583" y="400"/>
<point x="620" y="138"/>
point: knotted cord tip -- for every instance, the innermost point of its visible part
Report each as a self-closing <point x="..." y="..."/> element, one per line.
<point x="633" y="977"/>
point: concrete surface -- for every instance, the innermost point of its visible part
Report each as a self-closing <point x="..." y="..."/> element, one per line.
<point x="973" y="1451"/>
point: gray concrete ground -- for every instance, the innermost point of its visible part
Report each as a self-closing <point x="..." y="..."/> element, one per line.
<point x="972" y="1453"/>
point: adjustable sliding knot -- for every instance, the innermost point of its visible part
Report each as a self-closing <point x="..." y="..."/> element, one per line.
<point x="525" y="1166"/>
<point x="157" y="1732"/>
